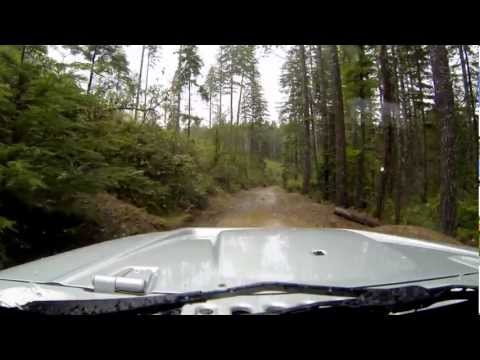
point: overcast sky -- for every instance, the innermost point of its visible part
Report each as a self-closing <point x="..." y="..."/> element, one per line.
<point x="269" y="67"/>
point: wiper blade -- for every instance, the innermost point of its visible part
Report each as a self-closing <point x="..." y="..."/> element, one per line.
<point x="150" y="304"/>
<point x="385" y="301"/>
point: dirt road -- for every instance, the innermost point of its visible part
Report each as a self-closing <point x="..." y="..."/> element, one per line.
<point x="270" y="207"/>
<point x="274" y="207"/>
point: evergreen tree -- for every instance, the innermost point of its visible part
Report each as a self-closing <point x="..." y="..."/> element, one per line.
<point x="100" y="58"/>
<point x="190" y="64"/>
<point x="444" y="107"/>
<point x="340" y="145"/>
<point x="153" y="56"/>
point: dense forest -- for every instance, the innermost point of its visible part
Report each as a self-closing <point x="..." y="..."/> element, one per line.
<point x="389" y="130"/>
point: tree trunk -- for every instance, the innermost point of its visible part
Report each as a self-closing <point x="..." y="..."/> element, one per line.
<point x="387" y="90"/>
<point x="231" y="99"/>
<point x="351" y="215"/>
<point x="139" y="83"/>
<point x="340" y="155"/>
<point x="209" y="109"/>
<point x="22" y="58"/>
<point x="314" y="147"/>
<point x="466" y="89"/>
<point x="177" y="120"/>
<point x="239" y="100"/>
<point x="178" y="88"/>
<point x="424" y="128"/>
<point x="165" y="114"/>
<point x="321" y="92"/>
<point x="92" y="65"/>
<point x="474" y="116"/>
<point x="146" y="87"/>
<point x="313" y="115"/>
<point x="360" y="201"/>
<point x="397" y="171"/>
<point x="391" y="183"/>
<point x="296" y="156"/>
<point x="472" y="99"/>
<point x="330" y="165"/>
<point x="469" y="111"/>
<point x="252" y="143"/>
<point x="189" y="108"/>
<point x="238" y="111"/>
<point x="306" y="123"/>
<point x="217" y="147"/>
<point x="221" y="86"/>
<point x="232" y="140"/>
<point x="444" y="108"/>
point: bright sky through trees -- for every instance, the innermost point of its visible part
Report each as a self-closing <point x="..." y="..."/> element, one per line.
<point x="269" y="67"/>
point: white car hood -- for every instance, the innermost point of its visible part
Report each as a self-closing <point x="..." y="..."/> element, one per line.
<point x="209" y="258"/>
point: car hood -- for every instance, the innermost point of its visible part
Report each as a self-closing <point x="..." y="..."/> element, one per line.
<point x="211" y="258"/>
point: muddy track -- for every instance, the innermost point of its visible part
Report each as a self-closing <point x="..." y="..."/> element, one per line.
<point x="270" y="207"/>
<point x="274" y="207"/>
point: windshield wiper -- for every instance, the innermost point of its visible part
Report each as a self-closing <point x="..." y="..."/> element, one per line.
<point x="404" y="297"/>
<point x="386" y="301"/>
<point x="149" y="304"/>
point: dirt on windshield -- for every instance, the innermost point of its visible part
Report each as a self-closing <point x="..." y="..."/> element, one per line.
<point x="274" y="207"/>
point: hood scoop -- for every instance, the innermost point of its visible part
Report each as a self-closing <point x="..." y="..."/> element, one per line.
<point x="136" y="280"/>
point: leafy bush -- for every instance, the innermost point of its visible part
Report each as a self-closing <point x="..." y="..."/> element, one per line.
<point x="56" y="143"/>
<point x="421" y="214"/>
<point x="294" y="185"/>
<point x="468" y="221"/>
<point x="274" y="171"/>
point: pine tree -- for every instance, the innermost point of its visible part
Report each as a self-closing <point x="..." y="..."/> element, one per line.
<point x="153" y="56"/>
<point x="306" y="120"/>
<point x="387" y="124"/>
<point x="190" y="65"/>
<point x="139" y="82"/>
<point x="100" y="58"/>
<point x="444" y="107"/>
<point x="209" y="90"/>
<point x="340" y="145"/>
<point x="321" y="95"/>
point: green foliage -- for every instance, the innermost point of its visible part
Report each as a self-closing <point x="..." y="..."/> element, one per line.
<point x="420" y="214"/>
<point x="234" y="172"/>
<point x="412" y="155"/>
<point x="352" y="153"/>
<point x="294" y="184"/>
<point x="6" y="224"/>
<point x="273" y="172"/>
<point x="56" y="143"/>
<point x="189" y="65"/>
<point x="356" y="69"/>
<point x="468" y="220"/>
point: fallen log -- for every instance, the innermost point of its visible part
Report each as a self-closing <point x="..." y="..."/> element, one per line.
<point x="356" y="217"/>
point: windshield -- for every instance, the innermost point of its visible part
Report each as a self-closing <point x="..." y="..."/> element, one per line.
<point x="357" y="165"/>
